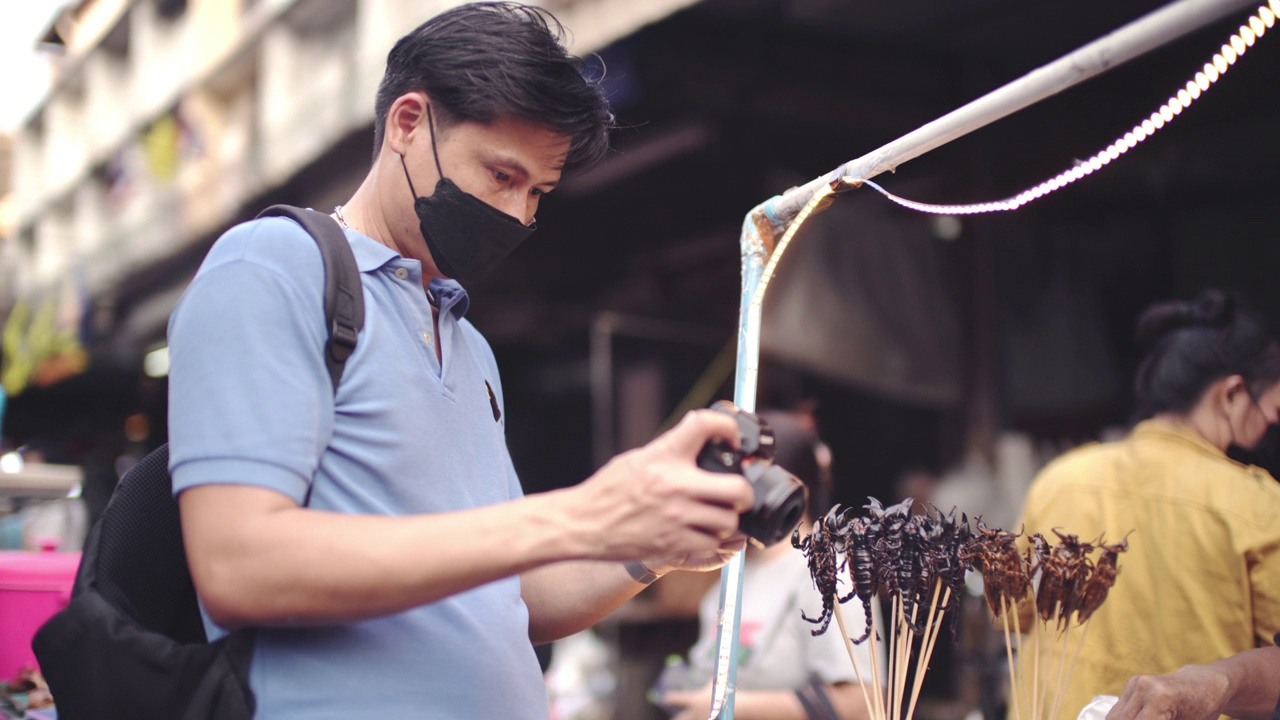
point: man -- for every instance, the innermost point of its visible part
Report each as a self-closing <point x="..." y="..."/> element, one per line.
<point x="1245" y="685"/>
<point x="377" y="537"/>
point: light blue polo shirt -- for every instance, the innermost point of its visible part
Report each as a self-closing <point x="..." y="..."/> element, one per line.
<point x="250" y="402"/>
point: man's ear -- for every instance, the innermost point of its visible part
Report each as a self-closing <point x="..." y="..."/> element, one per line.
<point x="406" y="119"/>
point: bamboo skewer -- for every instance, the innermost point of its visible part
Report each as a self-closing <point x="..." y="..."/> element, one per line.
<point x="902" y="640"/>
<point x="1035" y="671"/>
<point x="1020" y="688"/>
<point x="894" y="655"/>
<point x="875" y="658"/>
<point x="848" y="646"/>
<point x="1062" y="687"/>
<point x="1065" y="638"/>
<point x="1008" y="647"/>
<point x="926" y="646"/>
<point x="1044" y="691"/>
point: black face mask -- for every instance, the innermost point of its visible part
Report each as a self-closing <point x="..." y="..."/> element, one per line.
<point x="467" y="237"/>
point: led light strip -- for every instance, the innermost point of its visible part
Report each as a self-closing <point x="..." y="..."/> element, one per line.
<point x="757" y="299"/>
<point x="1236" y="45"/>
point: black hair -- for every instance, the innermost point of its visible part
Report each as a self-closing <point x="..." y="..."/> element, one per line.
<point x="1192" y="344"/>
<point x="485" y="61"/>
<point x="796" y="448"/>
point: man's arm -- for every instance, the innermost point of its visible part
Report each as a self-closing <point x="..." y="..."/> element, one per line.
<point x="567" y="597"/>
<point x="258" y="559"/>
<point x="1244" y="686"/>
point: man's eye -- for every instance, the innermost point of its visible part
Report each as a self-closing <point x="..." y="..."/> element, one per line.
<point x="501" y="176"/>
<point x="536" y="192"/>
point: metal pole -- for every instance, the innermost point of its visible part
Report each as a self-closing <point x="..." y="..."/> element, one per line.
<point x="762" y="223"/>
<point x="1120" y="46"/>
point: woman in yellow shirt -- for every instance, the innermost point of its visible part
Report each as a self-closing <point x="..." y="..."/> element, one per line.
<point x="1201" y="579"/>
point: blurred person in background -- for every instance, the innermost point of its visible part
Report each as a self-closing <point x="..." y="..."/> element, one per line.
<point x="1201" y="578"/>
<point x="784" y="671"/>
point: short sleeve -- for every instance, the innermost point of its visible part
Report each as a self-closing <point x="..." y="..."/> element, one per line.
<point x="250" y="400"/>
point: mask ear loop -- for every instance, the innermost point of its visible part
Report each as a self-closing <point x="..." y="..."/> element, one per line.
<point x="431" y="128"/>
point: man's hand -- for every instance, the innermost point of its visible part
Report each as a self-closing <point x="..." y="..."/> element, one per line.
<point x="1195" y="692"/>
<point x="700" y="561"/>
<point x="654" y="502"/>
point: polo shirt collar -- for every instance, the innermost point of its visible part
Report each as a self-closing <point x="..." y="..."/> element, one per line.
<point x="371" y="255"/>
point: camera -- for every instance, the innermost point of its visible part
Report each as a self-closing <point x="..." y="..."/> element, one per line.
<point x="780" y="496"/>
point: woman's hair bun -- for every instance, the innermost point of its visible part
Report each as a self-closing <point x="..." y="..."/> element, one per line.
<point x="1212" y="309"/>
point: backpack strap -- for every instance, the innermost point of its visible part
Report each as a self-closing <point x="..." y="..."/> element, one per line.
<point x="343" y="295"/>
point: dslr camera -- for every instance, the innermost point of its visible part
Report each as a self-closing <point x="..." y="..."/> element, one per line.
<point x="780" y="496"/>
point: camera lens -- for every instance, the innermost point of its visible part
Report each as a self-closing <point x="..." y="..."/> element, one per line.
<point x="779" y="505"/>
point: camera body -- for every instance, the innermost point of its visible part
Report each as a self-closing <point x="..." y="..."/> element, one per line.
<point x="780" y="496"/>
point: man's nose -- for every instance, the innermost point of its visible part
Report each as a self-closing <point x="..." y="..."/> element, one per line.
<point x="517" y="208"/>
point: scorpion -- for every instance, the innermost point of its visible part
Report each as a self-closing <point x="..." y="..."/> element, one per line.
<point x="862" y="534"/>
<point x="820" y="551"/>
<point x="946" y="559"/>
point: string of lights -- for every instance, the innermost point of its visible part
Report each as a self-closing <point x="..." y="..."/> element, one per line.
<point x="1236" y="46"/>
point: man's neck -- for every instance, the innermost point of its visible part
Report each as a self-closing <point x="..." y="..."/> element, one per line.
<point x="368" y="212"/>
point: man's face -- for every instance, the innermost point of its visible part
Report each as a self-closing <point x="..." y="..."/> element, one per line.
<point x="509" y="164"/>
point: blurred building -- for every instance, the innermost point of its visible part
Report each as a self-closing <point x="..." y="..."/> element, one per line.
<point x="168" y="121"/>
<point x="922" y="340"/>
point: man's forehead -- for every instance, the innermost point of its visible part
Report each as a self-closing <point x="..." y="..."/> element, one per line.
<point x="519" y="142"/>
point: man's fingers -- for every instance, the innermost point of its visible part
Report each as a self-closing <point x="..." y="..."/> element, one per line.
<point x="729" y="491"/>
<point x="1126" y="708"/>
<point x="696" y="429"/>
<point x="718" y="522"/>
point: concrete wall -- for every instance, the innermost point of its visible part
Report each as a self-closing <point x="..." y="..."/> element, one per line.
<point x="158" y="130"/>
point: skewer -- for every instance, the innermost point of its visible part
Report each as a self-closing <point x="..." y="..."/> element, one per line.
<point x="1017" y="634"/>
<point x="1008" y="648"/>
<point x="905" y="642"/>
<point x="875" y="658"/>
<point x="848" y="646"/>
<point x="1065" y="638"/>
<point x="1072" y="667"/>
<point x="1044" y="691"/>
<point x="926" y="646"/>
<point x="896" y="660"/>
<point x="1035" y="671"/>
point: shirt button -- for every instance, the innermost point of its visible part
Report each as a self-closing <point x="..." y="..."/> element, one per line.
<point x="402" y="273"/>
<point x="426" y="337"/>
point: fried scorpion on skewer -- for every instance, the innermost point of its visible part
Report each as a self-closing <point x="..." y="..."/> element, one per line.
<point x="819" y="549"/>
<point x="946" y="559"/>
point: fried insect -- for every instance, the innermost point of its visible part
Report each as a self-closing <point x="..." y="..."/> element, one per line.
<point x="820" y="551"/>
<point x="862" y="534"/>
<point x="945" y="557"/>
<point x="1062" y="577"/>
<point x="1004" y="575"/>
<point x="1103" y="577"/>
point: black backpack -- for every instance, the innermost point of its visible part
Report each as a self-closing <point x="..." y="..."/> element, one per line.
<point x="131" y="644"/>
